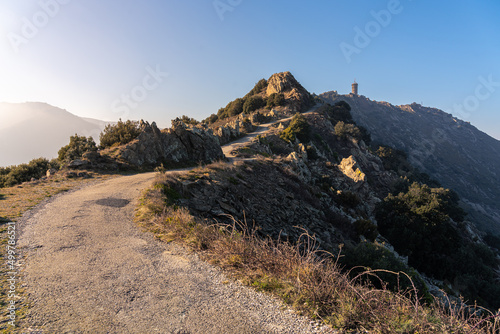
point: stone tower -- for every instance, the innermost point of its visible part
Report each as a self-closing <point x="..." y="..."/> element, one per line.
<point x="355" y="88"/>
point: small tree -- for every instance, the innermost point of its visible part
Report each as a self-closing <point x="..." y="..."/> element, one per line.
<point x="119" y="134"/>
<point x="77" y="147"/>
<point x="253" y="103"/>
<point x="344" y="130"/>
<point x="298" y="128"/>
<point x="275" y="100"/>
<point x="259" y="87"/>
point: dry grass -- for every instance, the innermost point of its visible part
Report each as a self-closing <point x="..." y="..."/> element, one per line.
<point x="14" y="202"/>
<point x="301" y="275"/>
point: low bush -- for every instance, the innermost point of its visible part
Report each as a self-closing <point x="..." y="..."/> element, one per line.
<point x="367" y="257"/>
<point x="418" y="224"/>
<point x="348" y="199"/>
<point x="258" y="88"/>
<point x="275" y="100"/>
<point x="345" y="130"/>
<point x="120" y="133"/>
<point x="341" y="111"/>
<point x="211" y="119"/>
<point x="298" y="128"/>
<point x="77" y="147"/>
<point x="36" y="168"/>
<point x="188" y="120"/>
<point x="253" y="103"/>
<point x="366" y="228"/>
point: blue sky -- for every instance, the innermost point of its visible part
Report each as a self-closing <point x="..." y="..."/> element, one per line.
<point x="88" y="56"/>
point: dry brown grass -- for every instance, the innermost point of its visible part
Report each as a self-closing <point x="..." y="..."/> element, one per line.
<point x="301" y="275"/>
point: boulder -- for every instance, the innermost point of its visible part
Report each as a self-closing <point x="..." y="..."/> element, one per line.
<point x="51" y="172"/>
<point x="349" y="167"/>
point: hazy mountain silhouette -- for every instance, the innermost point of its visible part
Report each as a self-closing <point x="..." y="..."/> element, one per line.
<point x="33" y="129"/>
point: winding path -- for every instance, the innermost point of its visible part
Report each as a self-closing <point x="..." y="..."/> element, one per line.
<point x="89" y="269"/>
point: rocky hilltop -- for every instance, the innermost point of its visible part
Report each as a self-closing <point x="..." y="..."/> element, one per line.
<point x="285" y="83"/>
<point x="450" y="150"/>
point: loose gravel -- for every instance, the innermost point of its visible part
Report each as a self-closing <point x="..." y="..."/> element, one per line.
<point x="89" y="269"/>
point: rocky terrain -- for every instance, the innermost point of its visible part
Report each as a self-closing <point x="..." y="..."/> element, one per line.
<point x="315" y="174"/>
<point x="287" y="190"/>
<point x="450" y="150"/>
<point x="178" y="145"/>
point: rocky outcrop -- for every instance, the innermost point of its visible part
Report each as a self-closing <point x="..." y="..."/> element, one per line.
<point x="179" y="144"/>
<point x="350" y="168"/>
<point x="235" y="128"/>
<point x="450" y="150"/>
<point x="285" y="83"/>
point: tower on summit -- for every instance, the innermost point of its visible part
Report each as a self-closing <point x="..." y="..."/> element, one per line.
<point x="355" y="88"/>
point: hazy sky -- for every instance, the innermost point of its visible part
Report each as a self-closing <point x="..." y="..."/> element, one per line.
<point x="159" y="59"/>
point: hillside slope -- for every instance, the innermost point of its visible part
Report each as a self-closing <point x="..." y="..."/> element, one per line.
<point x="450" y="150"/>
<point x="32" y="130"/>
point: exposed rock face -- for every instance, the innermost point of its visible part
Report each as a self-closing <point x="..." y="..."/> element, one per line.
<point x="177" y="144"/>
<point x="350" y="168"/>
<point x="234" y="129"/>
<point x="451" y="151"/>
<point x="294" y="93"/>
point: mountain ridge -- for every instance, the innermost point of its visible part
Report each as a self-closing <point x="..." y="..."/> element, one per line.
<point x="33" y="129"/>
<point x="452" y="151"/>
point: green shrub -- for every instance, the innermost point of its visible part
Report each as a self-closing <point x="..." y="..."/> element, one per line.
<point x="246" y="104"/>
<point x="211" y="119"/>
<point x="258" y="88"/>
<point x="253" y="103"/>
<point x="348" y="199"/>
<point x="373" y="256"/>
<point x="344" y="130"/>
<point x="366" y="228"/>
<point x="417" y="223"/>
<point x="36" y="168"/>
<point x="77" y="147"/>
<point x="188" y="120"/>
<point x="275" y="100"/>
<point x="298" y="128"/>
<point x="341" y="111"/>
<point x="119" y="134"/>
<point x="233" y="108"/>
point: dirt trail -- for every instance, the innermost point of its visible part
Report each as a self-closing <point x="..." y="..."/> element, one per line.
<point x="89" y="269"/>
<point x="263" y="128"/>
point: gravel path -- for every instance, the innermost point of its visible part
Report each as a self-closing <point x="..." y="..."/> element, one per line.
<point x="261" y="129"/>
<point x="89" y="269"/>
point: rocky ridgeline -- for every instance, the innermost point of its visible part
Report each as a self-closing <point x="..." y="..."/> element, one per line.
<point x="178" y="144"/>
<point x="181" y="144"/>
<point x="450" y="150"/>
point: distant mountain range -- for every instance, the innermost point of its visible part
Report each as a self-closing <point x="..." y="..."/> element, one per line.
<point x="32" y="130"/>
<point x="451" y="151"/>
